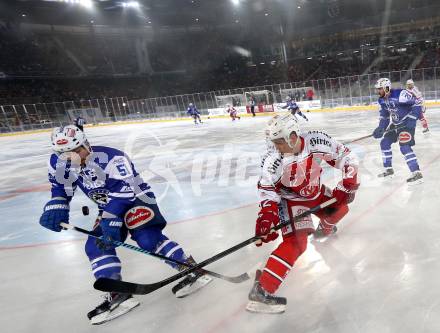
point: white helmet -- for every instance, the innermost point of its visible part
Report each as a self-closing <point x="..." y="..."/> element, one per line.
<point x="228" y="105"/>
<point x="190" y="104"/>
<point x="288" y="99"/>
<point x="383" y="83"/>
<point x="408" y="82"/>
<point x="68" y="138"/>
<point x="282" y="127"/>
<point x="268" y="126"/>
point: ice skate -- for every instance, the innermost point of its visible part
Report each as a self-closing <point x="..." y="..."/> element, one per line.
<point x="115" y="305"/>
<point x="416" y="178"/>
<point x="261" y="301"/>
<point x="425" y="131"/>
<point x="322" y="232"/>
<point x="190" y="284"/>
<point x="388" y="174"/>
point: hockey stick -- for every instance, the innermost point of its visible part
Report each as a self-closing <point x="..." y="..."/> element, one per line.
<point x="233" y="279"/>
<point x="105" y="284"/>
<point x="371" y="135"/>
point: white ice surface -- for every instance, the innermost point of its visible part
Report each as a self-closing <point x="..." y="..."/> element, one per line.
<point x="380" y="273"/>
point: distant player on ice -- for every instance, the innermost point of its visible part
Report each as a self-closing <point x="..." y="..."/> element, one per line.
<point x="127" y="205"/>
<point x="232" y="112"/>
<point x="290" y="184"/>
<point x="399" y="112"/>
<point x="293" y="108"/>
<point x="194" y="113"/>
<point x="79" y="122"/>
<point x="410" y="86"/>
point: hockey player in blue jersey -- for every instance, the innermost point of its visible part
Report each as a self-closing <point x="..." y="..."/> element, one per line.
<point x="194" y="113"/>
<point x="398" y="117"/>
<point x="126" y="205"/>
<point x="293" y="108"/>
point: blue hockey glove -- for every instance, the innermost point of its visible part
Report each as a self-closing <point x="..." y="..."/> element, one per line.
<point x="55" y="212"/>
<point x="111" y="231"/>
<point x="378" y="133"/>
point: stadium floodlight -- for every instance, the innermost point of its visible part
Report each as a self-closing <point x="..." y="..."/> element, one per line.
<point x="86" y="3"/>
<point x="131" y="4"/>
<point x="235" y="2"/>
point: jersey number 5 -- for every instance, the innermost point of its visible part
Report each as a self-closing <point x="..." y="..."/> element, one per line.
<point x="121" y="169"/>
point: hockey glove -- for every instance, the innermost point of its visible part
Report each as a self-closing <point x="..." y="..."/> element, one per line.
<point x="378" y="133"/>
<point x="268" y="217"/>
<point x="55" y="212"/>
<point x="111" y="231"/>
<point x="345" y="194"/>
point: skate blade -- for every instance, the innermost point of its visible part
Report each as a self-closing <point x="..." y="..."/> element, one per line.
<point x="386" y="178"/>
<point x="417" y="182"/>
<point x="192" y="288"/>
<point x="120" y="310"/>
<point x="257" y="307"/>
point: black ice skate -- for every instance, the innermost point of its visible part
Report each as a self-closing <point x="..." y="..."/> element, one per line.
<point x="115" y="305"/>
<point x="425" y="131"/>
<point x="416" y="178"/>
<point x="262" y="302"/>
<point x="192" y="282"/>
<point x="322" y="232"/>
<point x="388" y="174"/>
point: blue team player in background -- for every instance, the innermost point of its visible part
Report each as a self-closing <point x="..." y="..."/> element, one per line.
<point x="126" y="205"/>
<point x="293" y="108"/>
<point x="398" y="118"/>
<point x="194" y="113"/>
<point x="79" y="122"/>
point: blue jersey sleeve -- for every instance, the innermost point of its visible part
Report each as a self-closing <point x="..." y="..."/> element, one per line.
<point x="63" y="182"/>
<point x="406" y="98"/>
<point x="384" y="115"/>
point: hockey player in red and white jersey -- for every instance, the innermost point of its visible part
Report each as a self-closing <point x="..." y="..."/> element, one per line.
<point x="290" y="184"/>
<point x="410" y="86"/>
<point x="232" y="112"/>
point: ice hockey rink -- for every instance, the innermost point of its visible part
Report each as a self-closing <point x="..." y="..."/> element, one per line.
<point x="379" y="273"/>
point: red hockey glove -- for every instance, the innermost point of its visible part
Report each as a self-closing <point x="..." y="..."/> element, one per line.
<point x="345" y="193"/>
<point x="267" y="218"/>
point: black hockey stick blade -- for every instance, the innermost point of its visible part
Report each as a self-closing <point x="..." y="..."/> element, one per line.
<point x="142" y="289"/>
<point x="110" y="285"/>
<point x="118" y="286"/>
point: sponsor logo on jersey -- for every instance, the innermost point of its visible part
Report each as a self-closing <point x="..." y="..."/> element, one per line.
<point x="307" y="191"/>
<point x="138" y="216"/>
<point x="272" y="169"/>
<point x="319" y="141"/>
<point x="405" y="137"/>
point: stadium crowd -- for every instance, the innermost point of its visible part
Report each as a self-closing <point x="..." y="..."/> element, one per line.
<point x="45" y="72"/>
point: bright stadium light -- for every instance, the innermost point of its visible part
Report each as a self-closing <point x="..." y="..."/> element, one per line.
<point x="131" y="4"/>
<point x="86" y="3"/>
<point x="235" y="2"/>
